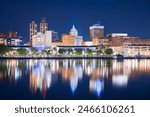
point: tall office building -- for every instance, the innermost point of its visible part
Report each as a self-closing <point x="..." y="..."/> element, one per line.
<point x="33" y="30"/>
<point x="96" y="31"/>
<point x="43" y="26"/>
<point x="74" y="31"/>
<point x="54" y="36"/>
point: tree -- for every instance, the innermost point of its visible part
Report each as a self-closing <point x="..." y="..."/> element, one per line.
<point x="109" y="51"/>
<point x="61" y="51"/>
<point x="89" y="52"/>
<point x="100" y="50"/>
<point x="34" y="51"/>
<point x="22" y="51"/>
<point x="43" y="52"/>
<point x="78" y="52"/>
<point x="3" y="49"/>
<point x="69" y="51"/>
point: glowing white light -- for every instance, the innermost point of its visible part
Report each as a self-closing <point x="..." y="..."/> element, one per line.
<point x="120" y="80"/>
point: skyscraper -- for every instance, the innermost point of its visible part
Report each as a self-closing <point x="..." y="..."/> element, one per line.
<point x="96" y="31"/>
<point x="74" y="31"/>
<point x="33" y="30"/>
<point x="43" y="26"/>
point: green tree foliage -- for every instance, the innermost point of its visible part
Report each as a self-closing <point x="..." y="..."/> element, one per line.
<point x="78" y="52"/>
<point x="61" y="51"/>
<point x="22" y="51"/>
<point x="109" y="51"/>
<point x="3" y="49"/>
<point x="69" y="51"/>
<point x="89" y="52"/>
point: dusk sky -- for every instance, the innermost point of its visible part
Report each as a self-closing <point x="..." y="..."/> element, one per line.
<point x="122" y="16"/>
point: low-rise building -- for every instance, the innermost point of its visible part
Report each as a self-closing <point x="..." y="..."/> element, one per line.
<point x="87" y="43"/>
<point x="42" y="39"/>
<point x="77" y="47"/>
<point x="8" y="35"/>
<point x="56" y="43"/>
<point x="132" y="50"/>
<point x="117" y="50"/>
<point x="38" y="39"/>
<point x="67" y="40"/>
<point x="15" y="41"/>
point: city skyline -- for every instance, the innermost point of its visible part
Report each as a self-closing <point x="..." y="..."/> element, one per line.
<point x="130" y="17"/>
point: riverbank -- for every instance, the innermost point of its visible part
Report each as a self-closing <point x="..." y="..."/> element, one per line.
<point x="73" y="58"/>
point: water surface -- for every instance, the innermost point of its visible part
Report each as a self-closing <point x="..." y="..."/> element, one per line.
<point x="74" y="79"/>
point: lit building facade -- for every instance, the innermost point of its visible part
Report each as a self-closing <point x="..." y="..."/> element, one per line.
<point x="117" y="39"/>
<point x="83" y="48"/>
<point x="74" y="31"/>
<point x="38" y="39"/>
<point x="8" y="35"/>
<point x="42" y="39"/>
<point x="72" y="39"/>
<point x="10" y="39"/>
<point x="96" y="31"/>
<point x="67" y="40"/>
<point x="33" y="30"/>
<point x="13" y="41"/>
<point x="48" y="38"/>
<point x="43" y="26"/>
<point x="87" y="43"/>
<point x="78" y="40"/>
<point x="132" y="50"/>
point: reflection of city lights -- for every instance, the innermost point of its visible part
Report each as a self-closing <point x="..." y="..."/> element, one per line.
<point x="78" y="72"/>
<point x="48" y="79"/>
<point x="73" y="83"/>
<point x="120" y="80"/>
<point x="96" y="86"/>
<point x="16" y="74"/>
<point x="43" y="73"/>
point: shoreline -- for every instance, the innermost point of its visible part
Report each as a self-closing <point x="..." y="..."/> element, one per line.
<point x="1" y="58"/>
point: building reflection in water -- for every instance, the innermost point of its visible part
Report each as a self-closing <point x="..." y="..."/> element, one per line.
<point x="96" y="86"/>
<point x="43" y="74"/>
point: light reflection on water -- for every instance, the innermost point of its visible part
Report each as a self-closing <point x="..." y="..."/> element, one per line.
<point x="43" y="74"/>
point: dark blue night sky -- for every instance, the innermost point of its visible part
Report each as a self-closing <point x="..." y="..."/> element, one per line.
<point x="125" y="16"/>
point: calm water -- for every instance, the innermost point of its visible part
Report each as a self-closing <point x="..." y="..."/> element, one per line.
<point x="74" y="79"/>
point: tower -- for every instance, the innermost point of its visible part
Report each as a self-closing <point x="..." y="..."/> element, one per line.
<point x="96" y="31"/>
<point x="43" y="26"/>
<point x="33" y="30"/>
<point x="74" y="31"/>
